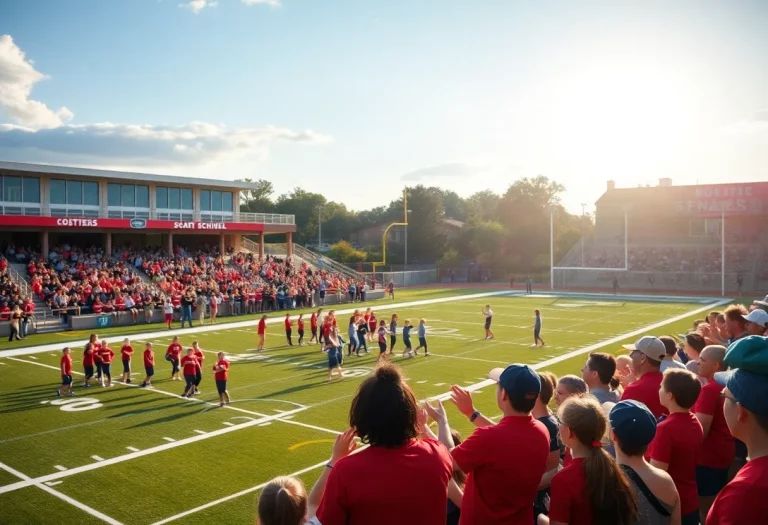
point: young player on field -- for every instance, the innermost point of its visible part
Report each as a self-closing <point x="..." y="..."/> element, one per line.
<point x="407" y="338"/>
<point x="488" y="313"/>
<point x="190" y="366"/>
<point x="88" y="361"/>
<point x="262" y="331"/>
<point x="422" y="337"/>
<point x="313" y="327"/>
<point x="107" y="355"/>
<point x="537" y="330"/>
<point x="372" y="325"/>
<point x="126" y="351"/>
<point x="382" y="341"/>
<point x="149" y="365"/>
<point x="200" y="358"/>
<point x="65" y="366"/>
<point x="288" y="328"/>
<point x="362" y="334"/>
<point x="392" y="333"/>
<point x="334" y="355"/>
<point x="220" y="369"/>
<point x="173" y="354"/>
<point x="300" y="326"/>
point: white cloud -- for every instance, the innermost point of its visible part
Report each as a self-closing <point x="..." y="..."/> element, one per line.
<point x="198" y="5"/>
<point x="757" y="125"/>
<point x="273" y="3"/>
<point x="17" y="78"/>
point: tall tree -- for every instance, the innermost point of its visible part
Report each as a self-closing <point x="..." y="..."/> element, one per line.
<point x="426" y="232"/>
<point x="257" y="200"/>
<point x="304" y="205"/>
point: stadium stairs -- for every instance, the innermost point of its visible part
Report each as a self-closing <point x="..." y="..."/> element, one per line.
<point x="45" y="319"/>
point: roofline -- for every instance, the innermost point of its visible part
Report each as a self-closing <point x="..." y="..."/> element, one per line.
<point x="50" y="169"/>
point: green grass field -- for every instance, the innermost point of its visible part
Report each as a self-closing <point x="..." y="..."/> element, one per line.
<point x="137" y="456"/>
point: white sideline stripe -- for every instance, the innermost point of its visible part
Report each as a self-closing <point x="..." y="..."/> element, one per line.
<point x="141" y="453"/>
<point x="43" y="486"/>
<point x="227" y="423"/>
<point x="132" y="449"/>
<point x="97" y="458"/>
<point x="159" y="334"/>
<point x="200" y="431"/>
<point x="169" y="440"/>
<point x="471" y="388"/>
<point x="60" y="468"/>
<point x="468" y="358"/>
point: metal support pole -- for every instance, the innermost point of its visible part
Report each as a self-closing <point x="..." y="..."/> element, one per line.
<point x="722" y="253"/>
<point x="551" y="249"/>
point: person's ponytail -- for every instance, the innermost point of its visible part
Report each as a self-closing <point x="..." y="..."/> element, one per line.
<point x="609" y="493"/>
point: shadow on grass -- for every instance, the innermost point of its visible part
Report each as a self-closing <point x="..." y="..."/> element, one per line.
<point x="167" y="419"/>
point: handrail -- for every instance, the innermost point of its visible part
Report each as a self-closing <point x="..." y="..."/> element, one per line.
<point x="19" y="280"/>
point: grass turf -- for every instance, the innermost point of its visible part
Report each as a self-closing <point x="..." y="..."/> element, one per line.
<point x="197" y="453"/>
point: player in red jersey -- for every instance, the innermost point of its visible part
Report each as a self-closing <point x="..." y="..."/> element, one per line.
<point x="220" y="369"/>
<point x="88" y="360"/>
<point x="190" y="365"/>
<point x="126" y="351"/>
<point x="173" y="354"/>
<point x="372" y="325"/>
<point x="262" y="331"/>
<point x="107" y="355"/>
<point x="149" y="365"/>
<point x="200" y="358"/>
<point x="288" y="328"/>
<point x="300" y="325"/>
<point x="313" y="327"/>
<point x="65" y="366"/>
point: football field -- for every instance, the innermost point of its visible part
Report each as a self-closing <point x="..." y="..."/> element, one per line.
<point x="139" y="456"/>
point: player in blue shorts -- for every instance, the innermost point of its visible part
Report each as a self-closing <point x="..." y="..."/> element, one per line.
<point x="407" y="338"/>
<point x="333" y="350"/>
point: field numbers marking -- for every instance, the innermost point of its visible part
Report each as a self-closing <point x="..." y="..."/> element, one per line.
<point x="75" y="404"/>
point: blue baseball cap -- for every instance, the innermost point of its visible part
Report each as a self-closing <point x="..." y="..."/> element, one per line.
<point x="633" y="423"/>
<point x="519" y="381"/>
<point x="748" y="378"/>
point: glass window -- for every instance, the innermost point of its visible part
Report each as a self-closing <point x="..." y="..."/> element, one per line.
<point x="215" y="201"/>
<point x="142" y="196"/>
<point x="205" y="200"/>
<point x="174" y="199"/>
<point x="113" y="194"/>
<point x="58" y="191"/>
<point x="31" y="187"/>
<point x="186" y="198"/>
<point x="74" y="192"/>
<point x="12" y="189"/>
<point x="161" y="197"/>
<point x="91" y="193"/>
<point x="128" y="192"/>
<point x="226" y="201"/>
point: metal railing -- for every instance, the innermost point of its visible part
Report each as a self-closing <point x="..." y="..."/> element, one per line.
<point x="16" y="277"/>
<point x="106" y="212"/>
<point x="300" y="253"/>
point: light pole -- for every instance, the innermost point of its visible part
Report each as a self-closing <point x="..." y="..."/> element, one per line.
<point x="405" y="265"/>
<point x="582" y="234"/>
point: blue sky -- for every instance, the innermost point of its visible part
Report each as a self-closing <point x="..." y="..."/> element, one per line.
<point x="357" y="99"/>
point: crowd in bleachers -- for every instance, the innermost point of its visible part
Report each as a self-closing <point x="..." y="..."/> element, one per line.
<point x="73" y="280"/>
<point x="673" y="259"/>
<point x="673" y="432"/>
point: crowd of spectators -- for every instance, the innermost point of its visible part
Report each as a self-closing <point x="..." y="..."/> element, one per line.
<point x="673" y="432"/>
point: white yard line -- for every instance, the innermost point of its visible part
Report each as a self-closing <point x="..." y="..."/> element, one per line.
<point x="159" y="334"/>
<point x="41" y="485"/>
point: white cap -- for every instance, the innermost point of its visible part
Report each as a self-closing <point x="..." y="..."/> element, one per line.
<point x="757" y="316"/>
<point x="650" y="346"/>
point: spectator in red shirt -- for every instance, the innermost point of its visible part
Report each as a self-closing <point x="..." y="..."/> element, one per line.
<point x="384" y="415"/>
<point x="632" y="429"/>
<point x="717" y="451"/>
<point x="173" y="354"/>
<point x="504" y="462"/>
<point x="126" y="351"/>
<point x="288" y="330"/>
<point x="675" y="447"/>
<point x="149" y="365"/>
<point x="190" y="365"/>
<point x="592" y="488"/>
<point x="262" y="331"/>
<point x="107" y="355"/>
<point x="220" y="369"/>
<point x="647" y="354"/>
<point x="65" y="366"/>
<point x="744" y="499"/>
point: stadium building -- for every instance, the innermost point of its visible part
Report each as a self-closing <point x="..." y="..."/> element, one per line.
<point x="677" y="238"/>
<point x="47" y="205"/>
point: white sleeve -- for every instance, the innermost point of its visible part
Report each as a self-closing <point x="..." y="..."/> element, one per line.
<point x="313" y="521"/>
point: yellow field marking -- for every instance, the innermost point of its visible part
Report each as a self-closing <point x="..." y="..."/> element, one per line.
<point x="305" y="443"/>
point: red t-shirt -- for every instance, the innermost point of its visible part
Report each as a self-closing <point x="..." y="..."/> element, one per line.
<point x="96" y="352"/>
<point x="262" y="326"/>
<point x="88" y="357"/>
<point x="646" y="390"/>
<point x="718" y="448"/>
<point x="288" y="323"/>
<point x="676" y="444"/>
<point x="569" y="502"/>
<point x="97" y="308"/>
<point x="106" y="355"/>
<point x="425" y="463"/>
<point x="504" y="464"/>
<point x="190" y="364"/>
<point x="174" y="349"/>
<point x="149" y="358"/>
<point x="66" y="362"/>
<point x="126" y="352"/>
<point x="567" y="458"/>
<point x="199" y="356"/>
<point x="300" y="323"/>
<point x="744" y="499"/>
<point x="221" y="376"/>
<point x="313" y="321"/>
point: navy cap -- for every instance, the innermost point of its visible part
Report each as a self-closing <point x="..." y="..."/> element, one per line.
<point x="748" y="378"/>
<point x="633" y="423"/>
<point x="519" y="381"/>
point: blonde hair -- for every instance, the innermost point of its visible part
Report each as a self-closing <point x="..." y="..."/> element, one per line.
<point x="282" y="502"/>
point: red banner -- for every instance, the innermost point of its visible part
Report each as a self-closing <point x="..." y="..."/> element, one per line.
<point x="77" y="223"/>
